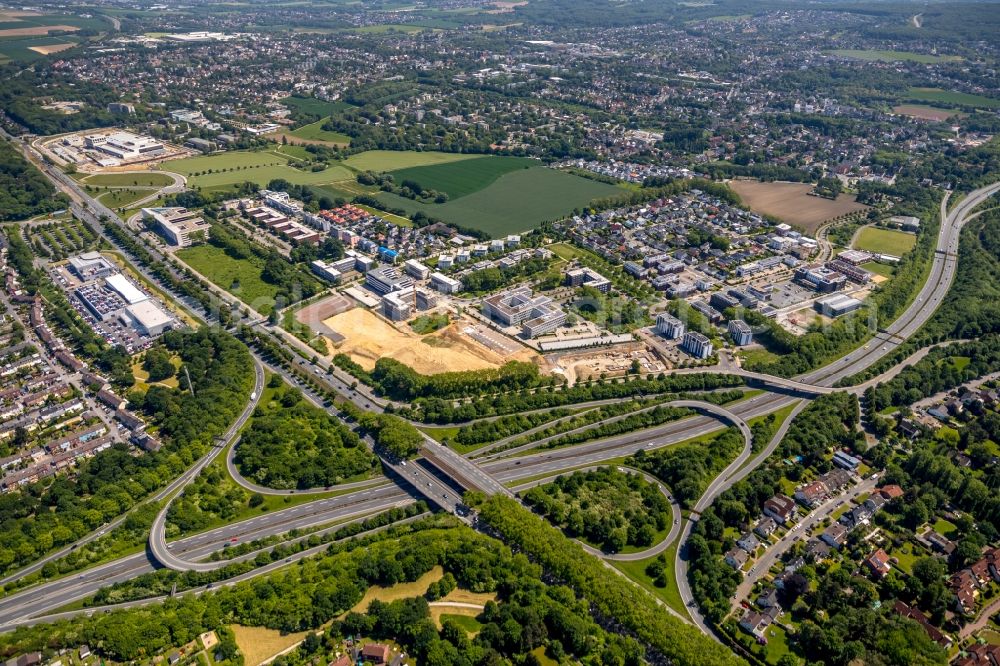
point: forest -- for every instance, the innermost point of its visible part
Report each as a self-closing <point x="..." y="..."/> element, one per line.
<point x="606" y="507"/>
<point x="292" y="444"/>
<point x="24" y="190"/>
<point x="441" y="411"/>
<point x="528" y="614"/>
<point x="612" y="597"/>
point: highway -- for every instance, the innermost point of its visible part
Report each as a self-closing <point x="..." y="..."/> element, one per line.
<point x="428" y="481"/>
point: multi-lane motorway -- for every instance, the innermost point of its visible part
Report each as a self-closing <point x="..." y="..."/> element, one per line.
<point x="416" y="479"/>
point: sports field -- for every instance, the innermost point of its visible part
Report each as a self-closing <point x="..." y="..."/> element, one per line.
<point x="939" y="96"/>
<point x="792" y="202"/>
<point x="459" y="179"/>
<point x="391" y="160"/>
<point x="226" y="169"/>
<point x="517" y="201"/>
<point x="885" y="241"/>
<point x="892" y="56"/>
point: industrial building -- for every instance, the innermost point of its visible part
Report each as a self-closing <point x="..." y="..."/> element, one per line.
<point x="537" y="314"/>
<point x="697" y="345"/>
<point x="740" y="332"/>
<point x="386" y="279"/>
<point x="148" y="318"/>
<point x="128" y="291"/>
<point x="588" y="277"/>
<point x="836" y="305"/>
<point x="669" y="326"/>
<point x="445" y="284"/>
<point x="180" y="226"/>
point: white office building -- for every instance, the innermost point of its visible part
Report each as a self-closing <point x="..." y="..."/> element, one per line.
<point x="416" y="269"/>
<point x="445" y="284"/>
<point x="669" y="326"/>
<point x="740" y="332"/>
<point x="697" y="345"/>
<point x="179" y="226"/>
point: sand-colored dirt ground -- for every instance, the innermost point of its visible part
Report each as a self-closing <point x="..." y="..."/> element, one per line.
<point x="259" y="644"/>
<point x="792" y="203"/>
<point x="399" y="591"/>
<point x="369" y="338"/>
<point x="51" y="48"/>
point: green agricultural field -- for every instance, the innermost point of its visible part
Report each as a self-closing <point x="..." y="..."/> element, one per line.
<point x="240" y="277"/>
<point x="20" y="48"/>
<point x="892" y="56"/>
<point x="150" y="179"/>
<point x="315" y="132"/>
<point x="517" y="201"/>
<point x="946" y="97"/>
<point x="459" y="179"/>
<point x="229" y="169"/>
<point x="391" y="160"/>
<point x="885" y="241"/>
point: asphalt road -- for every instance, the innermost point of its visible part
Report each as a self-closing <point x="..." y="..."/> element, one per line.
<point x="491" y="475"/>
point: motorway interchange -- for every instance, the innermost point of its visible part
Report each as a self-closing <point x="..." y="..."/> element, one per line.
<point x="440" y="475"/>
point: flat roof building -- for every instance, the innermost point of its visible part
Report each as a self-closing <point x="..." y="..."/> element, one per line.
<point x="386" y="279"/>
<point x="669" y="326"/>
<point x="416" y="269"/>
<point x="398" y="305"/>
<point x="588" y="277"/>
<point x="836" y="305"/>
<point x="740" y="332"/>
<point x="537" y="314"/>
<point x="180" y="226"/>
<point x="445" y="284"/>
<point x="128" y="291"/>
<point x="148" y="318"/>
<point x="91" y="265"/>
<point x="697" y="345"/>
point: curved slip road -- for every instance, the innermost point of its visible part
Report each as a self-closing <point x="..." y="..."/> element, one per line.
<point x="653" y="550"/>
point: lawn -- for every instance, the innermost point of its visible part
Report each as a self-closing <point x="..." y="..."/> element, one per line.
<point x="225" y="169"/>
<point x="388" y="217"/>
<point x="885" y="241"/>
<point x="470" y="624"/>
<point x="636" y="571"/>
<point x="123" y="198"/>
<point x="758" y="356"/>
<point x="944" y="527"/>
<point x="939" y="96"/>
<point x="517" y="201"/>
<point x="885" y="270"/>
<point x="150" y="179"/>
<point x="892" y="56"/>
<point x="569" y="252"/>
<point x="315" y="132"/>
<point x="240" y="277"/>
<point x="459" y="179"/>
<point x="390" y="160"/>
